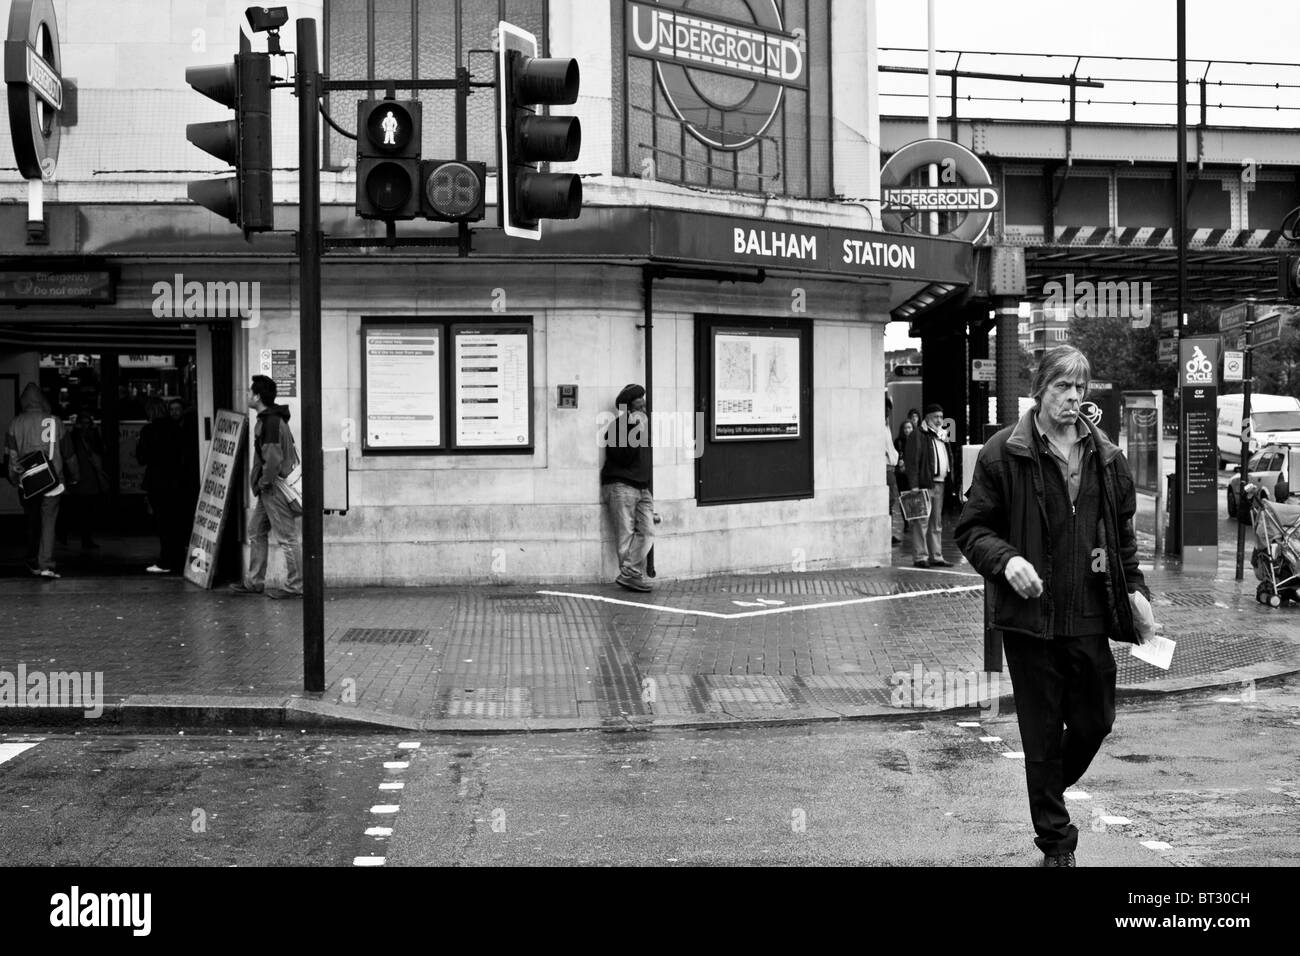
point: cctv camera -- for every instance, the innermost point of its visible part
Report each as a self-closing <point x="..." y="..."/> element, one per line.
<point x="264" y="19"/>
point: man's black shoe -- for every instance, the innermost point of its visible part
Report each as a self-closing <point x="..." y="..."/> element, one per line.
<point x="921" y="564"/>
<point x="243" y="589"/>
<point x="1059" y="859"/>
<point x="279" y="594"/>
<point x="940" y="563"/>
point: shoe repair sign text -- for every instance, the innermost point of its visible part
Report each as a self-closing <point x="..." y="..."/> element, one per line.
<point x="220" y="473"/>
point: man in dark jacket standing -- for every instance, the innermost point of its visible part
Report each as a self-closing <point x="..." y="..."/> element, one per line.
<point x="274" y="456"/>
<point x="625" y="481"/>
<point x="1049" y="524"/>
<point x="929" y="466"/>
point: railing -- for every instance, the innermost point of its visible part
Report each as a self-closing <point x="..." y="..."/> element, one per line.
<point x="988" y="84"/>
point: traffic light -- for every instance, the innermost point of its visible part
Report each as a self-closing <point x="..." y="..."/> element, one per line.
<point x="1288" y="276"/>
<point x="388" y="159"/>
<point x="452" y="191"/>
<point x="525" y="138"/>
<point x="244" y="142"/>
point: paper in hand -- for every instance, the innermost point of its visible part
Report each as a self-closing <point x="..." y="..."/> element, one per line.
<point x="1157" y="650"/>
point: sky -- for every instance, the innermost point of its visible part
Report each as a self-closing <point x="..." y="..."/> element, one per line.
<point x="1251" y="30"/>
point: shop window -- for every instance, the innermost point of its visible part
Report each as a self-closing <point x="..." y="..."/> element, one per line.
<point x="421" y="39"/>
<point x="754" y="381"/>
<point x="446" y="385"/>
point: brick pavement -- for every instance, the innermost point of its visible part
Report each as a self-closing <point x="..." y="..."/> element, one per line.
<point x="764" y="647"/>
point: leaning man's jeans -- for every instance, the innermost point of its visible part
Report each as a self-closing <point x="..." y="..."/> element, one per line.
<point x="272" y="512"/>
<point x="1065" y="705"/>
<point x="632" y="512"/>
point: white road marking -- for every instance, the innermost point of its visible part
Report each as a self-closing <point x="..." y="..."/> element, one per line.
<point x="766" y="611"/>
<point x="1014" y="754"/>
<point x="1076" y="795"/>
<point x="395" y="764"/>
<point x="964" y="574"/>
<point x="1115" y="821"/>
<point x="379" y="832"/>
<point x="1156" y="845"/>
<point x="990" y="740"/>
<point x="385" y="808"/>
<point x="368" y="861"/>
<point x="9" y="751"/>
<point x="408" y="745"/>
<point x="395" y="785"/>
<point x="968" y="723"/>
<point x="1227" y="700"/>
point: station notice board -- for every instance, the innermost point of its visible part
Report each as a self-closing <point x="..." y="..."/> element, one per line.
<point x="220" y="473"/>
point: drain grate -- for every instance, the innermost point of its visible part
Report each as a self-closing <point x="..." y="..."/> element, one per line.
<point x="522" y="604"/>
<point x="1189" y="598"/>
<point x="384" y="635"/>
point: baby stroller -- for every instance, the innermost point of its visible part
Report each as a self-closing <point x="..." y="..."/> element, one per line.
<point x="1276" y="558"/>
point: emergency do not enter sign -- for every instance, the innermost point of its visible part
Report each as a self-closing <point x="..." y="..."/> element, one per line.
<point x="983" y="370"/>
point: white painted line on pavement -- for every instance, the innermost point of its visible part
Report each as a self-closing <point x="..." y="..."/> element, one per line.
<point x="766" y="611"/>
<point x="395" y="764"/>
<point x="9" y="751"/>
<point x="408" y="745"/>
<point x="1115" y="821"/>
<point x="968" y="723"/>
<point x="964" y="574"/>
<point x="1156" y="845"/>
<point x="385" y="808"/>
<point x="368" y="861"/>
<point x="1227" y="700"/>
<point x="990" y="740"/>
<point x="1014" y="754"/>
<point x="379" y="832"/>
<point x="395" y="785"/>
<point x="1076" y="795"/>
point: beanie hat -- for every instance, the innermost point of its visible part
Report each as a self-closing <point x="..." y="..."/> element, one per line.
<point x="629" y="395"/>
<point x="933" y="407"/>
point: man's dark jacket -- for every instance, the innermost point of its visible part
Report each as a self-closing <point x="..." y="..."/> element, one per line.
<point x="628" y="455"/>
<point x="921" y="457"/>
<point x="1005" y="516"/>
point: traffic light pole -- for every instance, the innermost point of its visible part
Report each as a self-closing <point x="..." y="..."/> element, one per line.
<point x="309" y="331"/>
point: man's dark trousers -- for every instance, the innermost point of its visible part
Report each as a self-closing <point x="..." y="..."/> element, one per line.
<point x="1065" y="705"/>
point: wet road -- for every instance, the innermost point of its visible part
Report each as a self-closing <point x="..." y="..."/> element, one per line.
<point x="1217" y="780"/>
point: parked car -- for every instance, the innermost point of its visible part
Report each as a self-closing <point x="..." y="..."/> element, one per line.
<point x="1267" y="468"/>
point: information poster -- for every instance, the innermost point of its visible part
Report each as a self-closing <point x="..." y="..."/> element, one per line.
<point x="220" y="472"/>
<point x="492" y="386"/>
<point x="755" y="384"/>
<point x="1198" y="362"/>
<point x="130" y="473"/>
<point x="281" y="367"/>
<point x="403" y="387"/>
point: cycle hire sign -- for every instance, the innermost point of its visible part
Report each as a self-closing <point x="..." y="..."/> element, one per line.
<point x="1198" y="362"/>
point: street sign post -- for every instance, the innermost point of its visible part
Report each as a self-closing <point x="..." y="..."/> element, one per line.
<point x="983" y="370"/>
<point x="1168" y="351"/>
<point x="1168" y="320"/>
<point x="1266" y="330"/>
<point x="1233" y="317"/>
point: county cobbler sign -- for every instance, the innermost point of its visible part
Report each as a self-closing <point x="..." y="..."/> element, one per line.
<point x="700" y="53"/>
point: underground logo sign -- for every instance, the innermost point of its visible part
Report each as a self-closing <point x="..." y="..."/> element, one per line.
<point x="31" y="64"/>
<point x="724" y="79"/>
<point x="964" y="186"/>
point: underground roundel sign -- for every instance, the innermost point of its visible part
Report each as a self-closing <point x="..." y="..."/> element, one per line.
<point x="724" y="78"/>
<point x="35" y="86"/>
<point x="965" y="186"/>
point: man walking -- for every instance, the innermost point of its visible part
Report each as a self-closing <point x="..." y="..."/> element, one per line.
<point x="625" y="481"/>
<point x="274" y="456"/>
<point x="37" y="429"/>
<point x="929" y="467"/>
<point x="1049" y="524"/>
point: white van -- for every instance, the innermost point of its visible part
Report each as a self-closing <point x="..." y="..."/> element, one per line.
<point x="1274" y="419"/>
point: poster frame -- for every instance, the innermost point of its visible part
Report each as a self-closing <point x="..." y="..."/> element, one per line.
<point x="755" y="332"/>
<point x="406" y="323"/>
<point x="452" y="383"/>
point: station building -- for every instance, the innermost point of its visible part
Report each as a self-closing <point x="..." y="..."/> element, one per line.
<point x="730" y="256"/>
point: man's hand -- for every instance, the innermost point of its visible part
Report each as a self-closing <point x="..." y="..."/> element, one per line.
<point x="1144" y="619"/>
<point x="1022" y="577"/>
